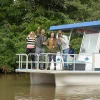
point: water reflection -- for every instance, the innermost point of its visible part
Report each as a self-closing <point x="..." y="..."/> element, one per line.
<point x="17" y="87"/>
<point x="78" y="93"/>
<point x="11" y="85"/>
<point x="45" y="92"/>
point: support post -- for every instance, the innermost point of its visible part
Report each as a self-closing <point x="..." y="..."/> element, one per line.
<point x="39" y="78"/>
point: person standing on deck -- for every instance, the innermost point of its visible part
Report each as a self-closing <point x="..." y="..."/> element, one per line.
<point x="31" y="44"/>
<point x="71" y="50"/>
<point x="52" y="48"/>
<point x="64" y="42"/>
<point x="40" y="44"/>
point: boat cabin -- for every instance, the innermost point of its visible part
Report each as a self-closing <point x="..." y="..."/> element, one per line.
<point x="90" y="46"/>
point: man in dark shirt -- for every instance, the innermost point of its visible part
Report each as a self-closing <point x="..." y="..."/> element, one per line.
<point x="40" y="44"/>
<point x="71" y="50"/>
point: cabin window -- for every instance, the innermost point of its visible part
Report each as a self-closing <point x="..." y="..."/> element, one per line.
<point x="89" y="43"/>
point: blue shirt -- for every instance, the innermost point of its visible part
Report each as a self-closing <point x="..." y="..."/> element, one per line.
<point x="71" y="51"/>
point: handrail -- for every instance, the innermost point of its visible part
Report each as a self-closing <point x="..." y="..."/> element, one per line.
<point x="20" y="60"/>
<point x="74" y="61"/>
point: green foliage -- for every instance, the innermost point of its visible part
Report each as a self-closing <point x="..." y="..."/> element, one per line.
<point x="19" y="17"/>
<point x="76" y="43"/>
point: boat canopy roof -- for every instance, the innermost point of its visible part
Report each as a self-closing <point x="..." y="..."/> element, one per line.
<point x="93" y="25"/>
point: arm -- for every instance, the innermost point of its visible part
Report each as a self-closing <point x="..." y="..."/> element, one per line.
<point x="64" y="39"/>
<point x="38" y="31"/>
<point x="47" y="43"/>
<point x="44" y="41"/>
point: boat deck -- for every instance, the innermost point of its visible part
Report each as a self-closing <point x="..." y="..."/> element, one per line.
<point x="53" y="71"/>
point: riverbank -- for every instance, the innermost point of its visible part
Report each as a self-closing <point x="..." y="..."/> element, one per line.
<point x="5" y="70"/>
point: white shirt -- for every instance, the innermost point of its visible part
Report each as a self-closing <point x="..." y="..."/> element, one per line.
<point x="64" y="42"/>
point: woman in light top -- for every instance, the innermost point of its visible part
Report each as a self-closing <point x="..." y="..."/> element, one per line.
<point x="31" y="44"/>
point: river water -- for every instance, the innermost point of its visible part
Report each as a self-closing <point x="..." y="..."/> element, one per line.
<point x="17" y="87"/>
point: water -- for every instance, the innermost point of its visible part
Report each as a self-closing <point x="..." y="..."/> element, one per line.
<point x="17" y="87"/>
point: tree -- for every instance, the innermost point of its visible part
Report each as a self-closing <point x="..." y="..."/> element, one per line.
<point x="19" y="17"/>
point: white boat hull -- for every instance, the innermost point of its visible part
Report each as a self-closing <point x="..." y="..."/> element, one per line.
<point x="63" y="78"/>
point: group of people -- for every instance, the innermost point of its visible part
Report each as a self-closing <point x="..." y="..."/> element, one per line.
<point x="36" y="43"/>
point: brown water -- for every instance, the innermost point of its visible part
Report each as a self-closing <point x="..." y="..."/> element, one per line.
<point x="17" y="87"/>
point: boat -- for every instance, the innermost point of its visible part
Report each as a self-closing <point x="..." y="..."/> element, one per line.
<point x="85" y="66"/>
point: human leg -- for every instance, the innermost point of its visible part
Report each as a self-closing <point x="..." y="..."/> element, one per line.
<point x="50" y="58"/>
<point x="33" y="57"/>
<point x="42" y="58"/>
<point x="27" y="51"/>
<point x="37" y="51"/>
<point x="65" y="57"/>
<point x="54" y="58"/>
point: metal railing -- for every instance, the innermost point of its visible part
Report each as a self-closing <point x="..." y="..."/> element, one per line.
<point x="25" y="61"/>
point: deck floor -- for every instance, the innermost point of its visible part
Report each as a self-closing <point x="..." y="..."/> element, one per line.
<point x="53" y="71"/>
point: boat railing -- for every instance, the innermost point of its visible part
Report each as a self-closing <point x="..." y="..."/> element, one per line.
<point x="25" y="61"/>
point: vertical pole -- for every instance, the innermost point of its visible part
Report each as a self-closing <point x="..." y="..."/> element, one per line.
<point x="19" y="61"/>
<point x="26" y="61"/>
<point x="47" y="64"/>
<point x="70" y="35"/>
<point x="60" y="61"/>
<point x="74" y="63"/>
<point x="31" y="64"/>
<point x="89" y="42"/>
<point x="38" y="61"/>
<point x="31" y="61"/>
<point x="93" y="60"/>
<point x="82" y="40"/>
<point x="69" y="43"/>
